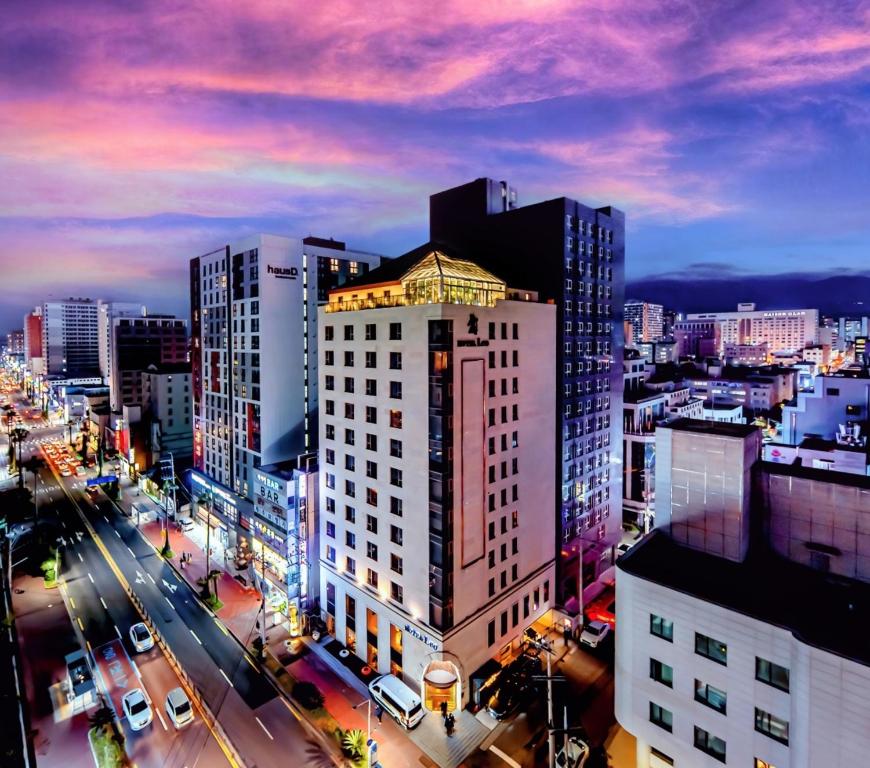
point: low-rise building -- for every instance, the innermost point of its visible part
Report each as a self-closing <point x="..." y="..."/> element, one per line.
<point x="741" y="620"/>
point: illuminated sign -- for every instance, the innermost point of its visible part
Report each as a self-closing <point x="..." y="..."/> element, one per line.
<point x="425" y="639"/>
<point x="284" y="273"/>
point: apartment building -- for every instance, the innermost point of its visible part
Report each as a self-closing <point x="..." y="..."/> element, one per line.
<point x="646" y="321"/>
<point x="166" y="402"/>
<point x="436" y="552"/>
<point x="70" y="338"/>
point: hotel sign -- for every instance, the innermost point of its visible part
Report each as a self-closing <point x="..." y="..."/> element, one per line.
<point x="283" y="273"/>
<point x="423" y="638"/>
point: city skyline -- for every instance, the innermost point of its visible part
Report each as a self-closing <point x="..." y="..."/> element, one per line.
<point x="126" y="159"/>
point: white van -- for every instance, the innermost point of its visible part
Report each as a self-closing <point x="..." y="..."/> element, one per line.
<point x="397" y="699"/>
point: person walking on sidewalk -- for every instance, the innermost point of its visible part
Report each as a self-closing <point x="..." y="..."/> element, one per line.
<point x="379" y="713"/>
<point x="443" y="709"/>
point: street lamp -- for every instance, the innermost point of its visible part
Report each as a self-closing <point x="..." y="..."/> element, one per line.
<point x="371" y="744"/>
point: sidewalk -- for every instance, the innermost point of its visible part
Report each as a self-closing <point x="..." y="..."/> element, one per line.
<point x="46" y="635"/>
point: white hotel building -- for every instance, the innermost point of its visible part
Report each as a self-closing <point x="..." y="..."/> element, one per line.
<point x="783" y="330"/>
<point x="436" y="484"/>
<point x="742" y="619"/>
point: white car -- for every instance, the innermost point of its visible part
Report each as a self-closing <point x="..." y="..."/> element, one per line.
<point x="65" y="472"/>
<point x="594" y="633"/>
<point x="178" y="708"/>
<point x="141" y="637"/>
<point x="187" y="525"/>
<point x="137" y="709"/>
<point x="574" y="756"/>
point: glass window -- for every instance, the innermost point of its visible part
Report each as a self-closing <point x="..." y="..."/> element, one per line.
<point x="371" y="332"/>
<point x="712" y="697"/>
<point x="663" y="628"/>
<point x="770" y="673"/>
<point x="348" y="333"/>
<point x="714" y="650"/>
<point x="661" y="673"/>
<point x="395" y="331"/>
<point x="771" y="725"/>
<point x="328" y="331"/>
<point x="712" y="745"/>
<point x="661" y="717"/>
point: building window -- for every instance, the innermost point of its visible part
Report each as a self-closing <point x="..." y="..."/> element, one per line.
<point x="371" y="497"/>
<point x="372" y="578"/>
<point x="371" y="442"/>
<point x="348" y="333"/>
<point x="396" y="593"/>
<point x="661" y="673"/>
<point x="396" y="563"/>
<point x="395" y="331"/>
<point x="328" y="331"/>
<point x="396" y="448"/>
<point x="349" y="437"/>
<point x="330" y="407"/>
<point x="330" y="456"/>
<point x="712" y="745"/>
<point x="330" y="554"/>
<point x="759" y="763"/>
<point x="329" y="357"/>
<point x="333" y="265"/>
<point x="771" y="725"/>
<point x="348" y="411"/>
<point x="712" y="649"/>
<point x="371" y="387"/>
<point x="371" y="332"/>
<point x="396" y="535"/>
<point x="772" y="674"/>
<point x="371" y="550"/>
<point x="395" y="418"/>
<point x="396" y="477"/>
<point x="396" y="506"/>
<point x="490" y="633"/>
<point x="371" y="416"/>
<point x="350" y="539"/>
<point x="396" y="390"/>
<point x="329" y="382"/>
<point x="710" y="696"/>
<point x="350" y="514"/>
<point x="663" y="628"/>
<point x="330" y="530"/>
<point x="371" y="359"/>
<point x="661" y="717"/>
<point x="348" y="384"/>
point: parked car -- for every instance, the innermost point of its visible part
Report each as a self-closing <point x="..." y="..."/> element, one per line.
<point x="397" y="699"/>
<point x="574" y="756"/>
<point x="64" y="472"/>
<point x="603" y="608"/>
<point x="137" y="709"/>
<point x="594" y="633"/>
<point x="513" y="686"/>
<point x="141" y="637"/>
<point x="178" y="708"/>
<point x="187" y="524"/>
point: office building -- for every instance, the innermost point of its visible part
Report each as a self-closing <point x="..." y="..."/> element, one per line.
<point x="254" y="352"/>
<point x="15" y="343"/>
<point x="744" y="615"/>
<point x="658" y="351"/>
<point x="745" y="354"/>
<point x="646" y="320"/>
<point x="784" y="330"/>
<point x="698" y="338"/>
<point x="670" y="317"/>
<point x="107" y="313"/>
<point x="850" y="328"/>
<point x="165" y="400"/>
<point x="33" y="341"/>
<point x="758" y="388"/>
<point x="436" y="547"/>
<point x="70" y="338"/>
<point x="137" y="342"/>
<point x="573" y="256"/>
<point x="835" y="406"/>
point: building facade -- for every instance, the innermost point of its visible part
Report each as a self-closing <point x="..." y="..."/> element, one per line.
<point x="254" y="351"/>
<point x="107" y="313"/>
<point x="166" y="402"/>
<point x="785" y="330"/>
<point x="33" y="341"/>
<point x="646" y="321"/>
<point x="435" y="548"/>
<point x="70" y="338"/>
<point x="732" y="668"/>
<point x="572" y="255"/>
<point x="698" y="338"/>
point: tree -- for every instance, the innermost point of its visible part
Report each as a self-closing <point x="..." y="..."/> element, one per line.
<point x="207" y="499"/>
<point x="17" y="437"/>
<point x="354" y="744"/>
<point x="318" y="757"/>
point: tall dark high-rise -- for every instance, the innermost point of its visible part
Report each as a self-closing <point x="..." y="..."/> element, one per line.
<point x="574" y="256"/>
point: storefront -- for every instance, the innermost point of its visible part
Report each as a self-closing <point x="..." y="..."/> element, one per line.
<point x="442" y="684"/>
<point x="224" y="515"/>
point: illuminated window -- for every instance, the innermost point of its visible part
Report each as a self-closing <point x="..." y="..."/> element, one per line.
<point x="333" y="265"/>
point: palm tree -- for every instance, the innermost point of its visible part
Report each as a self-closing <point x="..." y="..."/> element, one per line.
<point x="318" y="757"/>
<point x="18" y="436"/>
<point x="34" y="464"/>
<point x="206" y="498"/>
<point x="355" y="744"/>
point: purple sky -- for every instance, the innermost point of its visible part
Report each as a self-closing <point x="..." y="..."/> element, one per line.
<point x="134" y="135"/>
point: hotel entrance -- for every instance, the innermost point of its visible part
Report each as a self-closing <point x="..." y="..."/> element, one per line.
<point x="441" y="685"/>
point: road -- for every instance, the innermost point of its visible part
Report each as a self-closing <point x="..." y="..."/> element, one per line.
<point x="244" y="701"/>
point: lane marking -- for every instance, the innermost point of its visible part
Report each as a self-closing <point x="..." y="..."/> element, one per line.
<point x="81" y="626"/>
<point x="72" y="602"/>
<point x="107" y="520"/>
<point x="160" y="717"/>
<point x="133" y="554"/>
<point x="91" y="577"/>
<point x="169" y="601"/>
<point x="88" y="644"/>
<point x="264" y="728"/>
<point x="151" y="577"/>
<point x="253" y="666"/>
<point x="195" y="637"/>
<point x="104" y="603"/>
<point x="118" y="631"/>
<point x="115" y="531"/>
<point x="81" y="559"/>
<point x="221" y="627"/>
<point x="226" y="678"/>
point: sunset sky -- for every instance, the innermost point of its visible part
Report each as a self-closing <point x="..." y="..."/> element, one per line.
<point x="134" y="135"/>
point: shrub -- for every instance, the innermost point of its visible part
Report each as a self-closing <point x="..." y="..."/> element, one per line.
<point x="308" y="695"/>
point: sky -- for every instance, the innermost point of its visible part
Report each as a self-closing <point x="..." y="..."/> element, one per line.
<point x="135" y="134"/>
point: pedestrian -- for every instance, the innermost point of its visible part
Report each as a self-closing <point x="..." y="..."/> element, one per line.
<point x="450" y="722"/>
<point x="443" y="709"/>
<point x="379" y="713"/>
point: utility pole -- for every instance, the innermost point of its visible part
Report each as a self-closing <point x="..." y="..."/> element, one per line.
<point x="544" y="645"/>
<point x="167" y="474"/>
